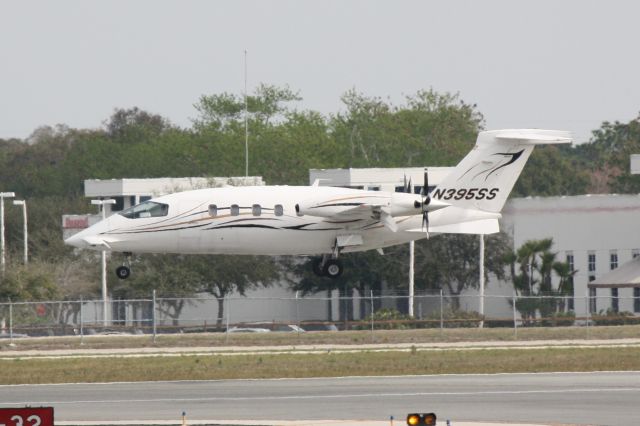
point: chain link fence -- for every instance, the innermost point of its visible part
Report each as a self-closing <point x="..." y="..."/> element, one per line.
<point x="296" y="314"/>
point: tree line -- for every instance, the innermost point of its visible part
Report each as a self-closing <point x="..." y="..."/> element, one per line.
<point x="48" y="169"/>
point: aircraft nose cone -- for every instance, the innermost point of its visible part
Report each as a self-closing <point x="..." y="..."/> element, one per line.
<point x="76" y="241"/>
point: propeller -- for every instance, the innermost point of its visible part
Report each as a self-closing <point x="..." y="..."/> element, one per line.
<point x="424" y="202"/>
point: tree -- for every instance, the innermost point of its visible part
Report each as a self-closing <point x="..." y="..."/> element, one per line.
<point x="225" y="110"/>
<point x="431" y="128"/>
<point x="607" y="156"/>
<point x="169" y="275"/>
<point x="451" y="261"/>
<point x="363" y="271"/>
<point x="552" y="170"/>
<point x="533" y="258"/>
<point x="135" y="125"/>
<point x="183" y="275"/>
<point x="33" y="282"/>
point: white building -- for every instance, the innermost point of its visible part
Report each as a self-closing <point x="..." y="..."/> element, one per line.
<point x="594" y="233"/>
<point x="379" y="179"/>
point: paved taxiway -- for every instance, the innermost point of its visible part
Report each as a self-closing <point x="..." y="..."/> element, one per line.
<point x="609" y="398"/>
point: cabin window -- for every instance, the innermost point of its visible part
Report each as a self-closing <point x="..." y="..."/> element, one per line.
<point x="278" y="210"/>
<point x="146" y="209"/>
<point x="235" y="210"/>
<point x="213" y="210"/>
<point x="256" y="210"/>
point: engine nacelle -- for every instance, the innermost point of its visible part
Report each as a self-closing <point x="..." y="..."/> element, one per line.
<point x="396" y="204"/>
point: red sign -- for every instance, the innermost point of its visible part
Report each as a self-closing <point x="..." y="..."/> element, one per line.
<point x="76" y="222"/>
<point x="40" y="416"/>
<point x="41" y="310"/>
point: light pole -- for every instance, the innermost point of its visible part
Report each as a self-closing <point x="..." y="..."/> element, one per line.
<point x="481" y="279"/>
<point x="25" y="231"/>
<point x="101" y="204"/>
<point x="3" y="195"/>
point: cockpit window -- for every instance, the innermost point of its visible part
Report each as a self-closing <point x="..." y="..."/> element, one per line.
<point x="146" y="209"/>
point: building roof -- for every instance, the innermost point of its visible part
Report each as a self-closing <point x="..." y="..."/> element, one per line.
<point x="160" y="186"/>
<point x="627" y="275"/>
<point x="376" y="176"/>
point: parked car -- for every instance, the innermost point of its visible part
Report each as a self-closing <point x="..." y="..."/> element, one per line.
<point x="247" y="330"/>
<point x="290" y="328"/>
<point x="320" y="326"/>
<point x="14" y="335"/>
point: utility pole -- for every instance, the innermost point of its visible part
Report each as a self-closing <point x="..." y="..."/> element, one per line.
<point x="3" y="195"/>
<point x="101" y="204"/>
<point x="481" y="278"/>
<point x="246" y="121"/>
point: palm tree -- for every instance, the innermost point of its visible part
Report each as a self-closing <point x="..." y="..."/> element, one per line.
<point x="535" y="256"/>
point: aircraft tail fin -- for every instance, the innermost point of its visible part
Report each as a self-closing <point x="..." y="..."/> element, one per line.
<point x="486" y="176"/>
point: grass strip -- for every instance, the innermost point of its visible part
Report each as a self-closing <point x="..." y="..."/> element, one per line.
<point x="327" y="338"/>
<point x="209" y="367"/>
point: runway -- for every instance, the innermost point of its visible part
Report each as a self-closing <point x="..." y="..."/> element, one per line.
<point x="608" y="398"/>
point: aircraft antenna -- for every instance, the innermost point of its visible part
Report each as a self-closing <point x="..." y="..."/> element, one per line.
<point x="246" y="121"/>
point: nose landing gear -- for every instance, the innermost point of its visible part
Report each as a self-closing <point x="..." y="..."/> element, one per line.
<point x="124" y="271"/>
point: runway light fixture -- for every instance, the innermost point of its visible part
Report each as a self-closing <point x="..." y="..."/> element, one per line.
<point x="421" y="419"/>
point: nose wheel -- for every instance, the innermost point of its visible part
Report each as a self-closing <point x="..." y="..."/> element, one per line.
<point x="124" y="271"/>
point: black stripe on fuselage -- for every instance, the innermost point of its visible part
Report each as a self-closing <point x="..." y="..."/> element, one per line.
<point x="338" y="205"/>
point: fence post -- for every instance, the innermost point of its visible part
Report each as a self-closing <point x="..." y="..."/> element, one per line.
<point x="372" y="321"/>
<point x="81" y="321"/>
<point x="228" y="303"/>
<point x="441" y="311"/>
<point x="297" y="315"/>
<point x="587" y="306"/>
<point x="515" y="321"/>
<point x="153" y="314"/>
<point x="10" y="323"/>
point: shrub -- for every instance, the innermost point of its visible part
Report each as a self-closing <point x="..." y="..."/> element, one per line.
<point x="611" y="317"/>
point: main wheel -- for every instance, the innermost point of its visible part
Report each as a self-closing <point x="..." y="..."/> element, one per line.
<point x="123" y="272"/>
<point x="317" y="267"/>
<point x="333" y="268"/>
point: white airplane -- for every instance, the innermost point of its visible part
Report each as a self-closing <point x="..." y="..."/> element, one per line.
<point x="325" y="221"/>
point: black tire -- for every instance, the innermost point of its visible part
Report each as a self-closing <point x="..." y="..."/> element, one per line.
<point x="316" y="266"/>
<point x="123" y="272"/>
<point x="333" y="268"/>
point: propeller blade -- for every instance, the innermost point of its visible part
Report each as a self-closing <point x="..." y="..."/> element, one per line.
<point x="426" y="181"/>
<point x="425" y="200"/>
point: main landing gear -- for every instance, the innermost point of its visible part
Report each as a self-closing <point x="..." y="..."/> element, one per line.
<point x="328" y="265"/>
<point x="124" y="271"/>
